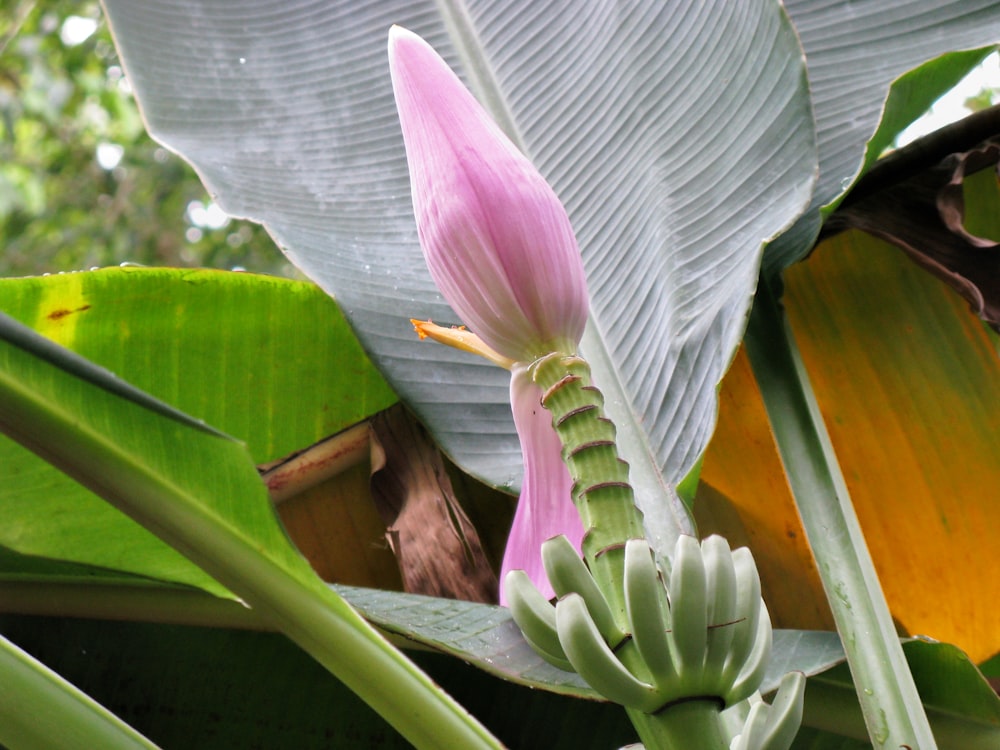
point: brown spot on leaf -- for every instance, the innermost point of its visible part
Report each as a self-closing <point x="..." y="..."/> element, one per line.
<point x="59" y="314"/>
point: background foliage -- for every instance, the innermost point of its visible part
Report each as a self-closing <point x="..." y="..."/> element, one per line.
<point x="63" y="102"/>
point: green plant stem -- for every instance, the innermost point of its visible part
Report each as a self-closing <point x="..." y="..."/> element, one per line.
<point x="889" y="700"/>
<point x="684" y="726"/>
<point x="305" y="609"/>
<point x="39" y="709"/>
<point x="601" y="489"/>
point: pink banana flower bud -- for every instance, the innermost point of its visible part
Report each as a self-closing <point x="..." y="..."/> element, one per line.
<point x="496" y="239"/>
<point x="500" y="247"/>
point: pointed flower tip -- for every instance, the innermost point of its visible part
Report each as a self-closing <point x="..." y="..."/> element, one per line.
<point x="496" y="239"/>
<point x="400" y="35"/>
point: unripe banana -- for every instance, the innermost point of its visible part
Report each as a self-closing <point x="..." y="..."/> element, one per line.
<point x="594" y="661"/>
<point x="751" y="673"/>
<point x="785" y="716"/>
<point x="569" y="574"/>
<point x="774" y="727"/>
<point x="753" y="728"/>
<point x="748" y="608"/>
<point x="720" y="579"/>
<point x="648" y="613"/>
<point x="536" y="618"/>
<point x="688" y="607"/>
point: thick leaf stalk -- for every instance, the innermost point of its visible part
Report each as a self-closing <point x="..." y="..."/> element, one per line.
<point x="601" y="490"/>
<point x="39" y="709"/>
<point x="885" y="687"/>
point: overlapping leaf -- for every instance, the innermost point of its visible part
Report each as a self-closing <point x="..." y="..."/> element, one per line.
<point x="854" y="51"/>
<point x="679" y="137"/>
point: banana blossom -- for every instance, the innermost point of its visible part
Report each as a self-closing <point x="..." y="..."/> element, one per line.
<point x="499" y="246"/>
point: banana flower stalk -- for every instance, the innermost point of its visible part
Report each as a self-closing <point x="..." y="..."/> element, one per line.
<point x="499" y="246"/>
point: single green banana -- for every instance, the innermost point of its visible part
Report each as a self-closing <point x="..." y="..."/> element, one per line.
<point x="594" y="661"/>
<point x="751" y="674"/>
<point x="688" y="609"/>
<point x="785" y="716"/>
<point x="536" y="618"/>
<point x="753" y="728"/>
<point x="748" y="605"/>
<point x="720" y="579"/>
<point x="774" y="727"/>
<point x="569" y="574"/>
<point x="649" y="615"/>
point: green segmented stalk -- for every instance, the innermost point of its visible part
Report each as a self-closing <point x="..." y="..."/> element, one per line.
<point x="601" y="489"/>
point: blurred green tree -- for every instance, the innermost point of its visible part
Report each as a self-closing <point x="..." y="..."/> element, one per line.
<point x="81" y="183"/>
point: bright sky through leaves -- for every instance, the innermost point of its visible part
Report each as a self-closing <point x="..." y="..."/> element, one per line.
<point x="952" y="106"/>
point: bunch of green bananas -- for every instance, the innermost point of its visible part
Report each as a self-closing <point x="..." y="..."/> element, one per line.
<point x="700" y="633"/>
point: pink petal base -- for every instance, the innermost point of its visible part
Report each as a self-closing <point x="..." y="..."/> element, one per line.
<point x="545" y="508"/>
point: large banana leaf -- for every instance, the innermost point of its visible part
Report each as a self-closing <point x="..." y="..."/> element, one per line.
<point x="679" y="136"/>
<point x="854" y="51"/>
<point x="197" y="489"/>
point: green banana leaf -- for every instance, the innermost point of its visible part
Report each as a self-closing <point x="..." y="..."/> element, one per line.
<point x="199" y="490"/>
<point x="234" y="350"/>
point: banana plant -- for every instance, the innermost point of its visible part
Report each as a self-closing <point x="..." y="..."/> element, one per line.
<point x="698" y="149"/>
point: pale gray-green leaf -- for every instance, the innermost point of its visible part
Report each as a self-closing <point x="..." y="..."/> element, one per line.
<point x="854" y="52"/>
<point x="487" y="637"/>
<point x="679" y="136"/>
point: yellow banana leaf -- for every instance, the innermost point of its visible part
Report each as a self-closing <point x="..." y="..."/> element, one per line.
<point x="907" y="381"/>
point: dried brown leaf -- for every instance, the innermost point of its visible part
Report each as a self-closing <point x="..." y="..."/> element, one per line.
<point x="437" y="547"/>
